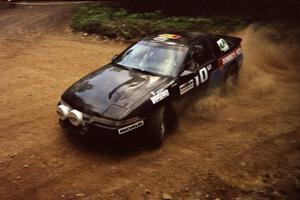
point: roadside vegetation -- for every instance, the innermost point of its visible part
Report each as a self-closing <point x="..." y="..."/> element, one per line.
<point x="114" y="22"/>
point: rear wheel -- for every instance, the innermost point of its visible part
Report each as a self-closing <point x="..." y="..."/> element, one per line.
<point x="230" y="79"/>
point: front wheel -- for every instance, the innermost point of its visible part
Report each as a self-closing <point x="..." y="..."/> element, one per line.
<point x="157" y="127"/>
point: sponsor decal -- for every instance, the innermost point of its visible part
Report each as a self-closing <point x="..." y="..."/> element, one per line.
<point x="160" y="95"/>
<point x="130" y="127"/>
<point x="223" y="44"/>
<point x="186" y="87"/>
<point x="229" y="57"/>
<point x="165" y="37"/>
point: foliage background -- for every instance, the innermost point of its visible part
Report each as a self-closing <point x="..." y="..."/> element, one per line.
<point x="133" y="19"/>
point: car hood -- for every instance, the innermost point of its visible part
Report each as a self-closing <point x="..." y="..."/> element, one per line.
<point x="110" y="85"/>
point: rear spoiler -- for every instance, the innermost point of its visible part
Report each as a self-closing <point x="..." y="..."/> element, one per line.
<point x="235" y="40"/>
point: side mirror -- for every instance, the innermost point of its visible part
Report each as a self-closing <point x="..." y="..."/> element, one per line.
<point x="114" y="57"/>
<point x="185" y="73"/>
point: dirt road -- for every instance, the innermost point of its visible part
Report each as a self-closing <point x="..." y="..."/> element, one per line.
<point x="245" y="145"/>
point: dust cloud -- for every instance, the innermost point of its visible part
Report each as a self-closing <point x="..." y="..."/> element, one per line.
<point x="265" y="52"/>
<point x="268" y="54"/>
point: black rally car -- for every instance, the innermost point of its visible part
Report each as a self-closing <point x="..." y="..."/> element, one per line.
<point x="134" y="93"/>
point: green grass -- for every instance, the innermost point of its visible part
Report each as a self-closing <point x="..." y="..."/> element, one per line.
<point x="119" y="23"/>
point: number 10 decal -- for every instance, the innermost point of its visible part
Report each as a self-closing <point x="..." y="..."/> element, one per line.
<point x="203" y="73"/>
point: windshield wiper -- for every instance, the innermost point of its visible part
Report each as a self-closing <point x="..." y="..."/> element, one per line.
<point x="143" y="71"/>
<point x="122" y="66"/>
<point x="136" y="69"/>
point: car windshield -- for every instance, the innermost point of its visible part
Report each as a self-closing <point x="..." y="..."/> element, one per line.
<point x="153" y="57"/>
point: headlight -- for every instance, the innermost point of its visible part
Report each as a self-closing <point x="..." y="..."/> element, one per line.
<point x="62" y="111"/>
<point x="75" y="117"/>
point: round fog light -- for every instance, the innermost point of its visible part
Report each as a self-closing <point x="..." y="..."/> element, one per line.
<point x="62" y="111"/>
<point x="75" y="117"/>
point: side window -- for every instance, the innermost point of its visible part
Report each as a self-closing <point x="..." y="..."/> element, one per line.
<point x="192" y="63"/>
<point x="199" y="55"/>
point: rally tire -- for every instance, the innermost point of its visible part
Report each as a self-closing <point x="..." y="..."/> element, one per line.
<point x="157" y="128"/>
<point x="171" y="119"/>
<point x="233" y="74"/>
<point x="230" y="80"/>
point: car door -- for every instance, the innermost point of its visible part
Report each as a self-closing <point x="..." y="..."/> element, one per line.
<point x="197" y="68"/>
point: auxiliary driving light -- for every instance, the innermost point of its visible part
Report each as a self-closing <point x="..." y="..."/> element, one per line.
<point x="62" y="111"/>
<point x="75" y="117"/>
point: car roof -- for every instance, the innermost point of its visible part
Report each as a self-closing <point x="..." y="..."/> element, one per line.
<point x="177" y="38"/>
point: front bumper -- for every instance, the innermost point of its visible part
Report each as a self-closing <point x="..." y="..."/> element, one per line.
<point x="102" y="129"/>
<point x="97" y="125"/>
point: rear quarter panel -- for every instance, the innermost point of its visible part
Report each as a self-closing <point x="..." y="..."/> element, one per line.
<point x="233" y="56"/>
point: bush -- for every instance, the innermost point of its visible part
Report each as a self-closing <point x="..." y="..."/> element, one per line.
<point x="117" y="22"/>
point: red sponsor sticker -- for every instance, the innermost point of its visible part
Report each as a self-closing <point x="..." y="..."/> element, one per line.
<point x="229" y="57"/>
